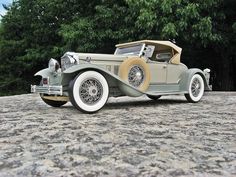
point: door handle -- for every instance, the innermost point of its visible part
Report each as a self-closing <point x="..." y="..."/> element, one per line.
<point x="164" y="67"/>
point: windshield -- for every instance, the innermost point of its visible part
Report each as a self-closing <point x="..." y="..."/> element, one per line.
<point x="131" y="50"/>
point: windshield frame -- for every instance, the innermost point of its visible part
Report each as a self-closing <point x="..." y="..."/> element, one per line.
<point x="140" y="52"/>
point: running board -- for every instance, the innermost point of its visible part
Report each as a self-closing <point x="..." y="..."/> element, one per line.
<point x="166" y="93"/>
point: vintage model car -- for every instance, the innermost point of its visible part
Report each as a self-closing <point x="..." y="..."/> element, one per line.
<point x="147" y="67"/>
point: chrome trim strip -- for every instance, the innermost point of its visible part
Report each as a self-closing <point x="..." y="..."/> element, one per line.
<point x="142" y="49"/>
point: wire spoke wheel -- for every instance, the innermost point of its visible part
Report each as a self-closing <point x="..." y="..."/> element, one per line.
<point x="136" y="72"/>
<point x="196" y="89"/>
<point x="136" y="76"/>
<point x="90" y="91"/>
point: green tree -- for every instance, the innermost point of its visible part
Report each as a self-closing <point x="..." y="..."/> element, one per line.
<point x="109" y="23"/>
<point x="34" y="31"/>
<point x="204" y="29"/>
<point x="29" y="37"/>
<point x="225" y="67"/>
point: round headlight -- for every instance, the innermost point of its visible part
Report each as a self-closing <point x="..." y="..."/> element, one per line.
<point x="53" y="65"/>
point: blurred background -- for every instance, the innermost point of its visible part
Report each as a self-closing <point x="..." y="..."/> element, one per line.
<point x="33" y="31"/>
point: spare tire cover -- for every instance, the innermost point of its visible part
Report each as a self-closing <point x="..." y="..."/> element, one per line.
<point x="136" y="72"/>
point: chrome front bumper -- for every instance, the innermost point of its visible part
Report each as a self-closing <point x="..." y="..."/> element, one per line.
<point x="47" y="89"/>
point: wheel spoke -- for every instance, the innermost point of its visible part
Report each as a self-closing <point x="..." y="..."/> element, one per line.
<point x="136" y="76"/>
<point x="196" y="87"/>
<point x="90" y="91"/>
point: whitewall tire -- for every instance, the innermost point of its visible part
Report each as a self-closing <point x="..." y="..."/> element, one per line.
<point x="195" y="89"/>
<point x="89" y="91"/>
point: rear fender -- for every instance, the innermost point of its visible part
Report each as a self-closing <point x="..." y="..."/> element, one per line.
<point x="186" y="78"/>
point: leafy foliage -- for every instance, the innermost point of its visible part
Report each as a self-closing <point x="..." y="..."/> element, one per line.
<point x="33" y="31"/>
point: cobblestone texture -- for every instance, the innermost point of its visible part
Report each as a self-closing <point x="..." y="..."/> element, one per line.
<point x="128" y="137"/>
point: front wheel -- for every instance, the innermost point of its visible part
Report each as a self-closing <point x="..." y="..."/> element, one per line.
<point x="196" y="89"/>
<point x="89" y="91"/>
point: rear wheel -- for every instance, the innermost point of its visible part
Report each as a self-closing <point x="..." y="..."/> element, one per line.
<point x="154" y="97"/>
<point x="89" y="91"/>
<point x="196" y="89"/>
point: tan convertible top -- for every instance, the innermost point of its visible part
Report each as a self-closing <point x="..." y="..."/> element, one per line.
<point x="165" y="44"/>
<point x="154" y="42"/>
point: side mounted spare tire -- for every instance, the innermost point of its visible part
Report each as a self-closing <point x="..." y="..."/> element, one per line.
<point x="136" y="72"/>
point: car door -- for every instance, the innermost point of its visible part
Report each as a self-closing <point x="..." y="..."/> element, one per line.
<point x="158" y="72"/>
<point x="174" y="72"/>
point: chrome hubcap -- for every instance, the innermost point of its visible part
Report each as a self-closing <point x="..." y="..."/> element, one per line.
<point x="90" y="91"/>
<point x="196" y="87"/>
<point x="136" y="76"/>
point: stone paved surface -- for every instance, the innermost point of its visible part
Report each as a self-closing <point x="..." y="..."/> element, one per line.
<point x="128" y="137"/>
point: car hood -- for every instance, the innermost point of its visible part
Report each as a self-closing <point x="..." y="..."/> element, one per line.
<point x="94" y="58"/>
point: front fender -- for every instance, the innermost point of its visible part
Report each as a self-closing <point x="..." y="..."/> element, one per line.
<point x="44" y="73"/>
<point x="54" y="78"/>
<point x="186" y="78"/>
<point x="112" y="79"/>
